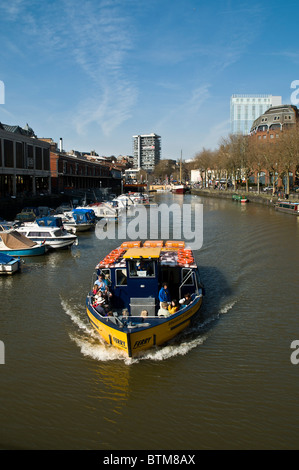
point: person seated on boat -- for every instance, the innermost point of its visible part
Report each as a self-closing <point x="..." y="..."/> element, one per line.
<point x="163" y="310"/>
<point x="107" y="280"/>
<point x="107" y="296"/>
<point x="173" y="307"/>
<point x="101" y="282"/>
<point x="125" y="312"/>
<point x="144" y="313"/>
<point x="164" y="295"/>
<point x="99" y="304"/>
<point x="185" y="300"/>
<point x="101" y="310"/>
<point x="95" y="289"/>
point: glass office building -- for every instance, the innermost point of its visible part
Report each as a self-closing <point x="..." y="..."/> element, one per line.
<point x="244" y="109"/>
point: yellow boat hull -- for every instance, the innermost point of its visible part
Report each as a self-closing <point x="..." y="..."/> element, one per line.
<point x="139" y="338"/>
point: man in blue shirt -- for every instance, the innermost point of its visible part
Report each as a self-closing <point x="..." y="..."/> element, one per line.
<point x="164" y="295"/>
<point x="102" y="283"/>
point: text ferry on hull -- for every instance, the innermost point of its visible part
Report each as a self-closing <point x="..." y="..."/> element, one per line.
<point x="125" y="306"/>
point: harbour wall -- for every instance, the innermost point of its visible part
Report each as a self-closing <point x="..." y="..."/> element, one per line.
<point x="266" y="199"/>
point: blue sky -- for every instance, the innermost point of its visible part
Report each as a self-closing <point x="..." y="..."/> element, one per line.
<point x="98" y="72"/>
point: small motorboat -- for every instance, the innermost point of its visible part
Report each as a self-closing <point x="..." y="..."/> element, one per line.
<point x="9" y="264"/>
<point x="239" y="198"/>
<point x="79" y="220"/>
<point x="107" y="210"/>
<point x="49" y="230"/>
<point x="28" y="214"/>
<point x="14" y="243"/>
<point x="136" y="274"/>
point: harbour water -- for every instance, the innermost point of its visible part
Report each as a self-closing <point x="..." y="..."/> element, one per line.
<point x="228" y="382"/>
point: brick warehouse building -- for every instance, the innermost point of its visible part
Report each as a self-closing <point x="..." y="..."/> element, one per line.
<point x="78" y="170"/>
<point x="269" y="126"/>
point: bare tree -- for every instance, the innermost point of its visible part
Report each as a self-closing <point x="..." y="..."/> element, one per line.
<point x="289" y="153"/>
<point x="204" y="162"/>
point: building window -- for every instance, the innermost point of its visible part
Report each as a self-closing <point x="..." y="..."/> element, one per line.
<point x="46" y="159"/>
<point x="20" y="161"/>
<point x="38" y="158"/>
<point x="30" y="160"/>
<point x="8" y="153"/>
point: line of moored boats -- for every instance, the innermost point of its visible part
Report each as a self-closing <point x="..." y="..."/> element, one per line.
<point x="38" y="230"/>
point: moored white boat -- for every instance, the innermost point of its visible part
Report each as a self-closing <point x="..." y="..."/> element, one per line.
<point x="132" y="321"/>
<point x="49" y="230"/>
<point x="78" y="220"/>
<point x="107" y="210"/>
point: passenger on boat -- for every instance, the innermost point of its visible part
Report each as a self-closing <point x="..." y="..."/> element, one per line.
<point x="108" y="298"/>
<point x="125" y="312"/>
<point x="99" y="304"/>
<point x="186" y="300"/>
<point x="102" y="283"/>
<point x="108" y="280"/>
<point x="163" y="310"/>
<point x="95" y="289"/>
<point x="173" y="307"/>
<point x="164" y="295"/>
<point x="144" y="313"/>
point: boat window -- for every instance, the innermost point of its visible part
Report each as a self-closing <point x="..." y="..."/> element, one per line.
<point x="106" y="273"/>
<point x="187" y="277"/>
<point x="39" y="234"/>
<point x="58" y="233"/>
<point x="121" y="277"/>
<point x="141" y="268"/>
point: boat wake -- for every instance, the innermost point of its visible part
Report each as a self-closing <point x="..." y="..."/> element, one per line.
<point x="93" y="346"/>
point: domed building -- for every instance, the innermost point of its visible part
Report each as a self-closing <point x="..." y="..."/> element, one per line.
<point x="268" y="127"/>
<point x="273" y="120"/>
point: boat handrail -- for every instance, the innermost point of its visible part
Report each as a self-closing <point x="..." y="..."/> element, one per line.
<point x="93" y="279"/>
<point x="184" y="281"/>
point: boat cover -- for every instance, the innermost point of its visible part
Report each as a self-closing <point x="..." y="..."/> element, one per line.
<point x="4" y="259"/>
<point x="49" y="222"/>
<point x="16" y="241"/>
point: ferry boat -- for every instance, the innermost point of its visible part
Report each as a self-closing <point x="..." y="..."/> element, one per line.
<point x="287" y="206"/>
<point x="49" y="230"/>
<point x="133" y="322"/>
